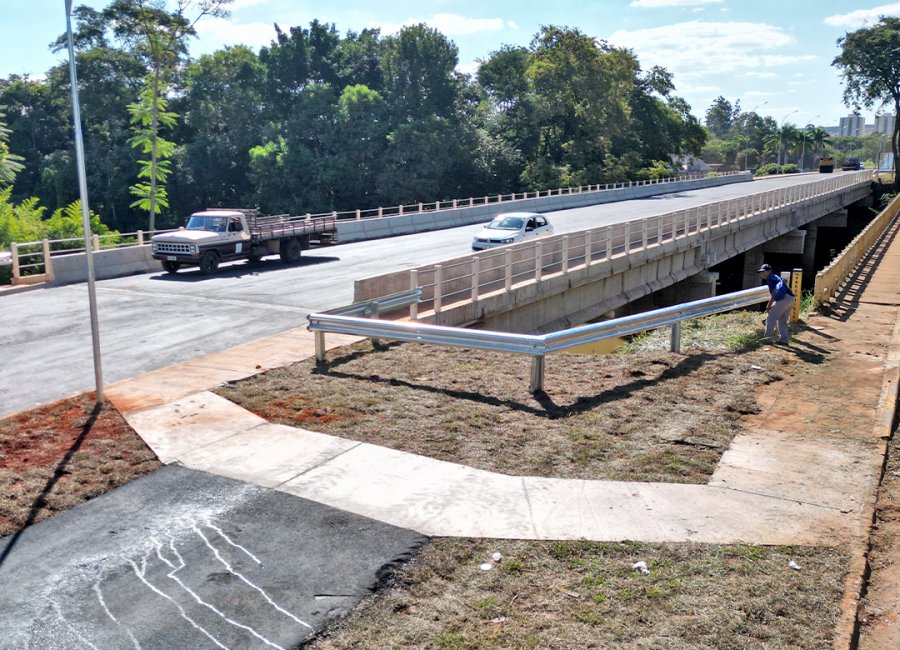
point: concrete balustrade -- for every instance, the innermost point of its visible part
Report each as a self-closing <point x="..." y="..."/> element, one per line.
<point x="526" y="286"/>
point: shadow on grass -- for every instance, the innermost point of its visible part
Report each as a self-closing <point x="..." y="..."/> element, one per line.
<point x="548" y="408"/>
<point x="58" y="472"/>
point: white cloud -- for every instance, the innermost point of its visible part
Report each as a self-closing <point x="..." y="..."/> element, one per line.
<point x="512" y="24"/>
<point x="468" y="68"/>
<point x="450" y="24"/>
<point x="861" y="17"/>
<point x="696" y="49"/>
<point x="225" y="32"/>
<point x="243" y="4"/>
<point x="655" y="4"/>
<point x="759" y="93"/>
<point x="761" y="75"/>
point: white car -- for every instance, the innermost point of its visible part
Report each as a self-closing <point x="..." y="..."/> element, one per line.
<point x="510" y="228"/>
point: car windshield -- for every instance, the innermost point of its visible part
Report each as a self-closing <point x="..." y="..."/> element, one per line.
<point x="507" y="223"/>
<point x="212" y="224"/>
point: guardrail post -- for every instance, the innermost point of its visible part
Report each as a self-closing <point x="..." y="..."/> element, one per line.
<point x="499" y="198"/>
<point x="414" y="284"/>
<point x="609" y="246"/>
<point x="627" y="236"/>
<point x="401" y="211"/>
<point x="644" y="233"/>
<point x="14" y="251"/>
<point x="508" y="285"/>
<point x="380" y="211"/>
<point x="454" y="203"/>
<point x="538" y="259"/>
<point x="140" y="236"/>
<point x="588" y="253"/>
<point x="797" y="289"/>
<point x="95" y="241"/>
<point x="319" y="338"/>
<point x="565" y="254"/>
<point x="537" y="374"/>
<point x="438" y="279"/>
<point x="358" y="214"/>
<point x="676" y="337"/>
<point x="476" y="269"/>
<point x="48" y="261"/>
<point x="420" y="206"/>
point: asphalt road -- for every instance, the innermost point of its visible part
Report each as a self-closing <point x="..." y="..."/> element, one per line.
<point x="155" y="320"/>
<point x="185" y="559"/>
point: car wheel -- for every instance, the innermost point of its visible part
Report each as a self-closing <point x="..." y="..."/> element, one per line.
<point x="209" y="262"/>
<point x="171" y="267"/>
<point x="291" y="250"/>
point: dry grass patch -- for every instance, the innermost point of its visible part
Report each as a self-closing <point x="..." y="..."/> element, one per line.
<point x="646" y="415"/>
<point x="62" y="454"/>
<point x="586" y="595"/>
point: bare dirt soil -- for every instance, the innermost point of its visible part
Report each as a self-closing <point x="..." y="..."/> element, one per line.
<point x="62" y="454"/>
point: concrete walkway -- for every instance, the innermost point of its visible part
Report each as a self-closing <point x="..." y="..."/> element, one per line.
<point x="775" y="485"/>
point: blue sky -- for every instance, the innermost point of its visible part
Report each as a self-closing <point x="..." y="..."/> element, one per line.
<point x="776" y="54"/>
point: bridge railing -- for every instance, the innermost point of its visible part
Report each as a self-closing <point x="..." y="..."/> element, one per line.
<point x="501" y="269"/>
<point x="139" y="238"/>
<point x="536" y="346"/>
<point x="830" y="279"/>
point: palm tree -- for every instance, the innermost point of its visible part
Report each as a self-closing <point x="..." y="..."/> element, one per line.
<point x="789" y="137"/>
<point x="817" y="137"/>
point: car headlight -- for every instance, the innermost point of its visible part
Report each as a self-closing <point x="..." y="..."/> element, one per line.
<point x="194" y="249"/>
<point x="508" y="241"/>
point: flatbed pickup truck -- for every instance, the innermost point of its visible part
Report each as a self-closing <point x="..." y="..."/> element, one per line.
<point x="221" y="235"/>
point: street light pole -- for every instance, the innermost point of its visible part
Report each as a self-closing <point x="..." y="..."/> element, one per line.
<point x="85" y="212"/>
<point x="780" y="129"/>
<point x="752" y="110"/>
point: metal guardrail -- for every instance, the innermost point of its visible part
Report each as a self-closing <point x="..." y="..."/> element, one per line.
<point x="536" y="346"/>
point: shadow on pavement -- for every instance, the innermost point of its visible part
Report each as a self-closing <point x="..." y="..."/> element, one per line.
<point x="242" y="269"/>
<point x="58" y="473"/>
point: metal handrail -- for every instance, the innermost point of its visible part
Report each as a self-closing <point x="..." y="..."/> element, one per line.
<point x="534" y="345"/>
<point x="379" y="305"/>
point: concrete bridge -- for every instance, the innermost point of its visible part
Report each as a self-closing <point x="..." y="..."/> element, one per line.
<point x="553" y="283"/>
<point x="152" y="320"/>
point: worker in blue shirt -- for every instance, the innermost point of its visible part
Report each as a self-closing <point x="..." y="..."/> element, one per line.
<point x="780" y="303"/>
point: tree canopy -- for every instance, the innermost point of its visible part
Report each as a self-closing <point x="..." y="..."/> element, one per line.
<point x="870" y="65"/>
<point x="319" y="120"/>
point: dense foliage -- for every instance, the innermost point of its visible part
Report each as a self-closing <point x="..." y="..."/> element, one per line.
<point x="870" y="65"/>
<point x="320" y="121"/>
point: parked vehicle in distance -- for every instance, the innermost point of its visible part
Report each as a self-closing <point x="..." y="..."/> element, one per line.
<point x="214" y="236"/>
<point x="510" y="228"/>
<point x="852" y="164"/>
<point x="826" y="165"/>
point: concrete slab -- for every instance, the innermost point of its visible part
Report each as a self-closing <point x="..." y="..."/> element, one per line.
<point x="184" y="559"/>
<point x="191" y="423"/>
<point x="268" y="454"/>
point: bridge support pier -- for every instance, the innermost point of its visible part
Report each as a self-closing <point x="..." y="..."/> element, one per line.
<point x="809" y="247"/>
<point x="753" y="258"/>
<point x="696" y="287"/>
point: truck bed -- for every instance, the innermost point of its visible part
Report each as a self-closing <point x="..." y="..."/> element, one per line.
<point x="263" y="228"/>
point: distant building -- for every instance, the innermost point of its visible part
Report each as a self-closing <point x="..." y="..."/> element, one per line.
<point x="853" y="125"/>
<point x="884" y="124"/>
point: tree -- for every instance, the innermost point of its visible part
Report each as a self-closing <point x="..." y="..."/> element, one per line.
<point x="10" y="163"/>
<point x="870" y="65"/>
<point x="720" y="117"/>
<point x="161" y="37"/>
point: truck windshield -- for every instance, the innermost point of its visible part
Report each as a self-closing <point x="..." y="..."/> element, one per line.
<point x="212" y="224"/>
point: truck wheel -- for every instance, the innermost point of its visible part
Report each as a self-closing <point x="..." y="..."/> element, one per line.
<point x="254" y="259"/>
<point x="209" y="263"/>
<point x="291" y="250"/>
<point x="171" y="267"/>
